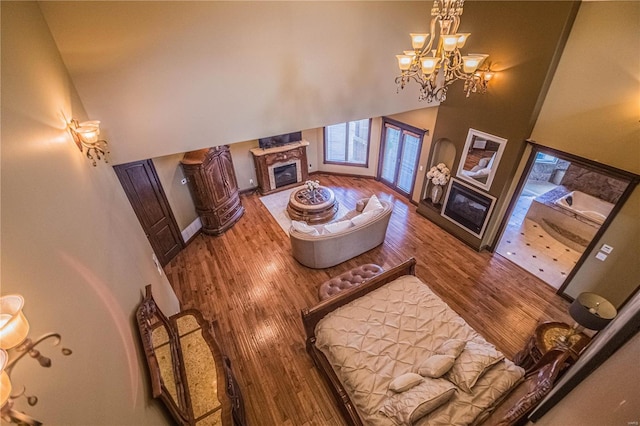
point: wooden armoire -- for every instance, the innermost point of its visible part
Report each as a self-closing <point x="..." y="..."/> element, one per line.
<point x="214" y="188"/>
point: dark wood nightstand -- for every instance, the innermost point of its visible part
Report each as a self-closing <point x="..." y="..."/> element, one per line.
<point x="546" y="337"/>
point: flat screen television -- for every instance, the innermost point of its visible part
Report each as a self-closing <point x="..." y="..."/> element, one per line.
<point x="279" y="140"/>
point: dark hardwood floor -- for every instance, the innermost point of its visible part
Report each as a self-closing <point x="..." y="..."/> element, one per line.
<point x="249" y="285"/>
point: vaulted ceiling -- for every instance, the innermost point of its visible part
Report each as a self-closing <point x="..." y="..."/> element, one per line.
<point x="167" y="77"/>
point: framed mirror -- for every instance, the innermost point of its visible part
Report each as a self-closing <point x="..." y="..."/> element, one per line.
<point x="480" y="158"/>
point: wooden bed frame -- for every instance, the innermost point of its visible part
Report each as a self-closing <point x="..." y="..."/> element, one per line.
<point x="511" y="410"/>
<point x="311" y="317"/>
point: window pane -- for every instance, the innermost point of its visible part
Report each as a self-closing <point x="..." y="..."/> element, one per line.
<point x="390" y="156"/>
<point x="347" y="143"/>
<point x="408" y="162"/>
<point x="335" y="143"/>
<point x="358" y="141"/>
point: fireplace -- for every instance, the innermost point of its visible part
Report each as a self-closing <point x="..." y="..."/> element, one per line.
<point x="281" y="167"/>
<point x="467" y="207"/>
<point x="285" y="175"/>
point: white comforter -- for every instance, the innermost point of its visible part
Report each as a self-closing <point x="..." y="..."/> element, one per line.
<point x="390" y="331"/>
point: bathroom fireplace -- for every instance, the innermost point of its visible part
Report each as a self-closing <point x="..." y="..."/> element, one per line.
<point x="468" y="208"/>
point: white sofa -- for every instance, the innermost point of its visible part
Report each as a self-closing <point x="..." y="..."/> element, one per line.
<point x="326" y="249"/>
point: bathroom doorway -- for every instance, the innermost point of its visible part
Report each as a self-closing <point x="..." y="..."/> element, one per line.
<point x="559" y="210"/>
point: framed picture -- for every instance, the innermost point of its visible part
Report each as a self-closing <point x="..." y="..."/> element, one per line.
<point x="480" y="157"/>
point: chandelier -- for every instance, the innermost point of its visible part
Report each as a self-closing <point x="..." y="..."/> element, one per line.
<point x="435" y="63"/>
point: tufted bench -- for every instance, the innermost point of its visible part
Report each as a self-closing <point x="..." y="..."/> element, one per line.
<point x="346" y="280"/>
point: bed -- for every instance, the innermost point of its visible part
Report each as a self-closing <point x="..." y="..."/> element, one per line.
<point x="376" y="337"/>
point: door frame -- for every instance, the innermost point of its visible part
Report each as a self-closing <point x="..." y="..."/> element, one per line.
<point x="584" y="162"/>
<point x="119" y="169"/>
<point x="403" y="127"/>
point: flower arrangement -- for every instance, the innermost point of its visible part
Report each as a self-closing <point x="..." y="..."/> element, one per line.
<point x="312" y="185"/>
<point x="439" y="174"/>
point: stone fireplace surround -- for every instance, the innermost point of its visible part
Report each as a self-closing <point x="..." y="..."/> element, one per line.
<point x="266" y="160"/>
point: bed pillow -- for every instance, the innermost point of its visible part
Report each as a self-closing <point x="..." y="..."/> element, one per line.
<point x="436" y="365"/>
<point x="473" y="362"/>
<point x="338" y="226"/>
<point x="373" y="205"/>
<point x="404" y="382"/>
<point x="304" y="228"/>
<point x="452" y="347"/>
<point x="408" y="407"/>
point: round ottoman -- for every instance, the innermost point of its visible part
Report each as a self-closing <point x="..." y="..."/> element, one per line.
<point x="346" y="280"/>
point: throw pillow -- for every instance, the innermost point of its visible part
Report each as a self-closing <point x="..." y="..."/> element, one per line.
<point x="404" y="382"/>
<point x="304" y="227"/>
<point x="364" y="218"/>
<point x="436" y="365"/>
<point x="337" y="226"/>
<point x="472" y="363"/>
<point x="408" y="407"/>
<point x="453" y="347"/>
<point x="373" y="204"/>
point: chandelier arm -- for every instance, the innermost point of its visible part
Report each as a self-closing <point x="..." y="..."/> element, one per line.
<point x="28" y="347"/>
<point x="456" y="24"/>
<point x="432" y="37"/>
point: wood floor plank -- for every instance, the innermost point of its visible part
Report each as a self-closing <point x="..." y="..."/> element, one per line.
<point x="247" y="283"/>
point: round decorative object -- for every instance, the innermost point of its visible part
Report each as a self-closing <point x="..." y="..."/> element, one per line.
<point x="436" y="194"/>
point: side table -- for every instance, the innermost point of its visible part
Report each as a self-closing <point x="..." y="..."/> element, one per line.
<point x="545" y="338"/>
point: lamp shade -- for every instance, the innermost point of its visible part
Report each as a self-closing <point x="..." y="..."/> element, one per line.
<point x="592" y="311"/>
<point x="14" y="326"/>
<point x="418" y="40"/>
<point x="471" y="63"/>
<point x="462" y="39"/>
<point x="89" y="131"/>
<point x="429" y="64"/>
<point x="404" y="62"/>
<point x="5" y="383"/>
<point x="449" y="42"/>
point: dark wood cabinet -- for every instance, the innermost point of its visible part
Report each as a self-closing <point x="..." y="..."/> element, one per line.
<point x="214" y="188"/>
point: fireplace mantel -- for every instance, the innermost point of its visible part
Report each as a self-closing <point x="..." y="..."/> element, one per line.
<point x="266" y="160"/>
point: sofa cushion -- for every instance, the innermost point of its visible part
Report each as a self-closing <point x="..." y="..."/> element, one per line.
<point x="364" y="217"/>
<point x="304" y="227"/>
<point x="373" y="205"/>
<point x="338" y="226"/>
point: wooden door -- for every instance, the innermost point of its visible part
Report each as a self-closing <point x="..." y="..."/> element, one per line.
<point x="144" y="191"/>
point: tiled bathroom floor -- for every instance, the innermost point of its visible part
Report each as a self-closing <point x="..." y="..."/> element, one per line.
<point x="526" y="244"/>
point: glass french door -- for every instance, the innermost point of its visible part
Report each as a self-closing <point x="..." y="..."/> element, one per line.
<point x="399" y="155"/>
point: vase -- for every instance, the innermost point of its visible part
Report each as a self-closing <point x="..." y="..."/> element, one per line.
<point x="436" y="194"/>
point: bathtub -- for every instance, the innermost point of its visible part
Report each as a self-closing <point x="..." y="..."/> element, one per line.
<point x="573" y="218"/>
<point x="585" y="205"/>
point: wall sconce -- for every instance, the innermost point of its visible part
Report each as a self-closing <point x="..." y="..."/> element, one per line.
<point x="14" y="345"/>
<point x="86" y="135"/>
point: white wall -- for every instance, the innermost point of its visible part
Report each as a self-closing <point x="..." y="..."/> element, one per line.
<point x="71" y="244"/>
<point x="167" y="77"/>
<point x="170" y="174"/>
